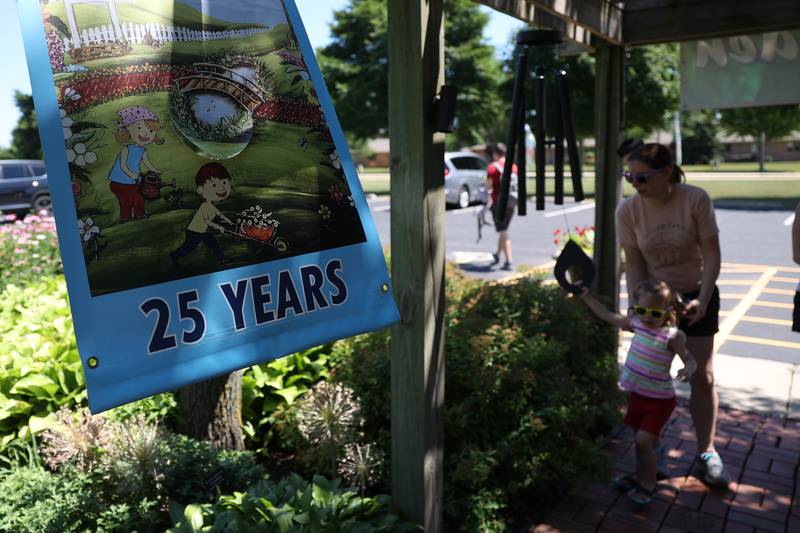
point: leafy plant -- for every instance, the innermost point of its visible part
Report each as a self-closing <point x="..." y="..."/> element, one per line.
<point x="531" y="390"/>
<point x="39" y="365"/>
<point x="269" y="388"/>
<point x="292" y="505"/>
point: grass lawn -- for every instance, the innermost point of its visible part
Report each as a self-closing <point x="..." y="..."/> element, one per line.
<point x="187" y="52"/>
<point x="746" y="166"/>
<point x="143" y="12"/>
<point x="785" y="193"/>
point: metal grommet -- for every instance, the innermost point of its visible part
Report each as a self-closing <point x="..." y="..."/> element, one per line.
<point x="385" y="288"/>
<point x="93" y="362"/>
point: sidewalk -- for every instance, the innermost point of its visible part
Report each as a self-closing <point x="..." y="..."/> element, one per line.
<point x="761" y="453"/>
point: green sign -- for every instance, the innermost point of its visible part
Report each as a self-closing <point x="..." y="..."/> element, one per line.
<point x="741" y="71"/>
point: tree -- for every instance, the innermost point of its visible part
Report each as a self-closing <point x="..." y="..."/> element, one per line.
<point x="773" y="121"/>
<point x="212" y="410"/>
<point x="355" y="65"/>
<point x="25" y="142"/>
<point x="652" y="93"/>
<point x="699" y="131"/>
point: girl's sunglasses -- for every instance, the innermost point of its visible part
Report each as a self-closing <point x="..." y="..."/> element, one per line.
<point x="655" y="313"/>
<point x="640" y="177"/>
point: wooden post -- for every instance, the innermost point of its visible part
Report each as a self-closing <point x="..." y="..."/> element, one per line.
<point x="609" y="125"/>
<point x="416" y="72"/>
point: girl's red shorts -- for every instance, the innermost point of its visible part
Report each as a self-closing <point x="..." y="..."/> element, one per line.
<point x="648" y="414"/>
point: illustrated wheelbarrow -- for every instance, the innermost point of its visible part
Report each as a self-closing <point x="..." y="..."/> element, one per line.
<point x="263" y="237"/>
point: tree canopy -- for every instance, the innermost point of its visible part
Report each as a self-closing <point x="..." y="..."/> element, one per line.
<point x="355" y="65"/>
<point x="774" y="121"/>
<point x="25" y="142"/>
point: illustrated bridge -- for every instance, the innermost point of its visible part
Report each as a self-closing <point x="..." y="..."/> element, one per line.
<point x="213" y="77"/>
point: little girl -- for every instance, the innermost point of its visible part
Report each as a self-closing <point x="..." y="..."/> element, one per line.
<point x="136" y="127"/>
<point x="646" y="376"/>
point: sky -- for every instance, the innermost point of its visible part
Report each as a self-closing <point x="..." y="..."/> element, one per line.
<point x="317" y="16"/>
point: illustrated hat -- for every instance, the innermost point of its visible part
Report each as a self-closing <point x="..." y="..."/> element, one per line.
<point x="129" y="115"/>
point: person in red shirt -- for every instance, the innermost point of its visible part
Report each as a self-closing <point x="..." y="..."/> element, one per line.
<point x="497" y="155"/>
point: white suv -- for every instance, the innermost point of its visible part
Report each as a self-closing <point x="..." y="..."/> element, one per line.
<point x="464" y="178"/>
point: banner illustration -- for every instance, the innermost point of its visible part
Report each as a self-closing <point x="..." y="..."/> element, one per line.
<point x="208" y="211"/>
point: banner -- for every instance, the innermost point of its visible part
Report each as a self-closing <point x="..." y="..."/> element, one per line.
<point x="741" y="71"/>
<point x="208" y="211"/>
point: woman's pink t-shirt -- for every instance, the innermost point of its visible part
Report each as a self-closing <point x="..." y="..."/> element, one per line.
<point x="669" y="235"/>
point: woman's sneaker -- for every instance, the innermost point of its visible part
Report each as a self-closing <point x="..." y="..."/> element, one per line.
<point x="624" y="483"/>
<point x="640" y="495"/>
<point x="710" y="464"/>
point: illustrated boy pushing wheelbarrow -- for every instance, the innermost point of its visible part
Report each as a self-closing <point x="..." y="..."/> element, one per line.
<point x="214" y="184"/>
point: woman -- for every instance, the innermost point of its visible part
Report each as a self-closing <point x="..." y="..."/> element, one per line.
<point x="669" y="233"/>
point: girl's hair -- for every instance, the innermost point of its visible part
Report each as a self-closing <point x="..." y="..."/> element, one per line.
<point x="655" y="156"/>
<point x="663" y="291"/>
<point x="123" y="137"/>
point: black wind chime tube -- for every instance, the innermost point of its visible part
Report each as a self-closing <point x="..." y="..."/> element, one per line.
<point x="559" y="150"/>
<point x="569" y="131"/>
<point x="541" y="140"/>
<point x="522" y="163"/>
<point x="513" y="132"/>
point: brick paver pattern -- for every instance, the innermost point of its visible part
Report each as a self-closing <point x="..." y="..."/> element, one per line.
<point x="761" y="454"/>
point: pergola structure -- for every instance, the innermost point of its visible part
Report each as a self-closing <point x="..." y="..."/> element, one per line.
<point x="69" y="6"/>
<point x="416" y="74"/>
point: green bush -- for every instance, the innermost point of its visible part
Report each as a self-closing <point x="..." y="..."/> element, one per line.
<point x="530" y="385"/>
<point x="39" y="365"/>
<point x="270" y="387"/>
<point x="292" y="505"/>
<point x="34" y="500"/>
<point x="112" y="476"/>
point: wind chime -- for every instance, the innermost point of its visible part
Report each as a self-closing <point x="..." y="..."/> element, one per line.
<point x="574" y="270"/>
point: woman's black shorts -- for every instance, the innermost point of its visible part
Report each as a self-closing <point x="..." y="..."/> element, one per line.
<point x="709" y="325"/>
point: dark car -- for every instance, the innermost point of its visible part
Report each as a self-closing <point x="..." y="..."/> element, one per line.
<point x="23" y="187"/>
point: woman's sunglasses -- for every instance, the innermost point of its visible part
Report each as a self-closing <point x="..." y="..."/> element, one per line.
<point x="640" y="177"/>
<point x="655" y="313"/>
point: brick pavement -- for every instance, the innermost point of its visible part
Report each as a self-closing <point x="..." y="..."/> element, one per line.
<point x="762" y="455"/>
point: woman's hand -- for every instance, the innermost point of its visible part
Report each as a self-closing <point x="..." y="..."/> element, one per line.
<point x="694" y="311"/>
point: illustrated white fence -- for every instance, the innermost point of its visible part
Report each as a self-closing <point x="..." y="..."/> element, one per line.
<point x="135" y="34"/>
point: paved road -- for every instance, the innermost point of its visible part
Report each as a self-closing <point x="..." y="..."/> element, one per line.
<point x="757" y="282"/>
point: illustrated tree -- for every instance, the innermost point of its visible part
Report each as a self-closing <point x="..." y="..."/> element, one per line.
<point x="771" y="121"/>
<point x="355" y="65"/>
<point x="25" y="142"/>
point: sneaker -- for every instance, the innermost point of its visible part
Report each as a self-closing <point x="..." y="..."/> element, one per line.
<point x="710" y="464"/>
<point x="662" y="470"/>
<point x="495" y="259"/>
<point x="623" y="483"/>
<point x="507" y="266"/>
<point x="640" y="495"/>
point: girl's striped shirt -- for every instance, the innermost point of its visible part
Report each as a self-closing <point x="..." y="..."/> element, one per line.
<point x="646" y="369"/>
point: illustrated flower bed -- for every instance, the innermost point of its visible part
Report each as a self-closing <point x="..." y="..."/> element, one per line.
<point x="100" y="50"/>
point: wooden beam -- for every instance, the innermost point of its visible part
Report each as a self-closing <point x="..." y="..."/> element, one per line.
<point x="656" y="21"/>
<point x="539" y="18"/>
<point x="609" y="124"/>
<point x="416" y="73"/>
<point x="601" y="17"/>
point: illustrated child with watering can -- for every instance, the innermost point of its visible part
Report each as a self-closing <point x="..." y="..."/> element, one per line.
<point x="136" y="127"/>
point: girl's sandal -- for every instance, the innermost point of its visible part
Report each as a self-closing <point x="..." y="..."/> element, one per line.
<point x="640" y="495"/>
<point x="623" y="483"/>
